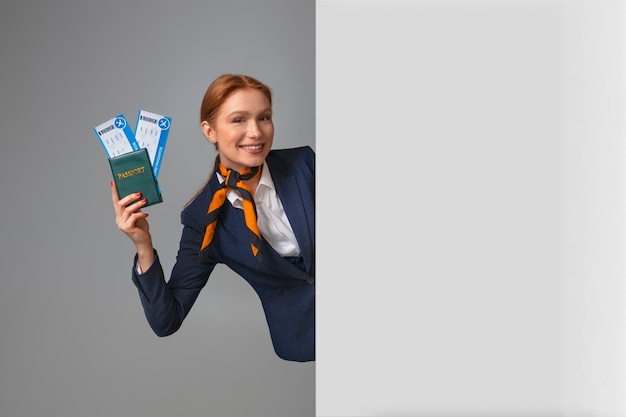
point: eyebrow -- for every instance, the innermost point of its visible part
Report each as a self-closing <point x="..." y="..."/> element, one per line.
<point x="237" y="112"/>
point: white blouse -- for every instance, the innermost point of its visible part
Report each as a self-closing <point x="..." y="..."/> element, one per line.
<point x="271" y="218"/>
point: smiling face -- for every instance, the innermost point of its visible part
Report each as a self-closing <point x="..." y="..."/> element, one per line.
<point x="242" y="130"/>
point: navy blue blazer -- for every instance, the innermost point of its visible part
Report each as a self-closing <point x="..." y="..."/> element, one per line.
<point x="287" y="293"/>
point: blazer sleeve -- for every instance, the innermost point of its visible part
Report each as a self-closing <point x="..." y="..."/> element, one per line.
<point x="166" y="304"/>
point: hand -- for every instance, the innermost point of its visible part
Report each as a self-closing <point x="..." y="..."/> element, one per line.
<point x="130" y="219"/>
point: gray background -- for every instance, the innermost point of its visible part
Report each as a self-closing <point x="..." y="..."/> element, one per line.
<point x="73" y="337"/>
<point x="486" y="265"/>
<point x="508" y="118"/>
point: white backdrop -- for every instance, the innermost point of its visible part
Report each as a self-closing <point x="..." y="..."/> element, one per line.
<point x="477" y="253"/>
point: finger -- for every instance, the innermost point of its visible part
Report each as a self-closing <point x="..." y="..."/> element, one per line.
<point x="129" y="199"/>
<point x="136" y="225"/>
<point x="114" y="196"/>
<point x="124" y="209"/>
<point x="130" y="224"/>
<point x="130" y="204"/>
<point x="137" y="203"/>
<point x="115" y="199"/>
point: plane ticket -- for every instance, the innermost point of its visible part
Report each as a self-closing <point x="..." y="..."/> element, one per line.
<point x="116" y="136"/>
<point x="151" y="133"/>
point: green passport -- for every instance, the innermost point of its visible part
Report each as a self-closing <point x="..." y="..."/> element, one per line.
<point x="132" y="173"/>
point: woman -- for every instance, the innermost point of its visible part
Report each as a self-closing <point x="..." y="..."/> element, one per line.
<point x="256" y="214"/>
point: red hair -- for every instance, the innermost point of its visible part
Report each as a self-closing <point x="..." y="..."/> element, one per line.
<point x="222" y="88"/>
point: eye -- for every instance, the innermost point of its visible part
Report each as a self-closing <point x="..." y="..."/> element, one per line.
<point x="238" y="120"/>
<point x="265" y="117"/>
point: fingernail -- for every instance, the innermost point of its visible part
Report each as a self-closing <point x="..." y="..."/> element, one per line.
<point x="144" y="200"/>
<point x="138" y="194"/>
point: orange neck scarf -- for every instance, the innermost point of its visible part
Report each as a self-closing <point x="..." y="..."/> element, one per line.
<point x="233" y="180"/>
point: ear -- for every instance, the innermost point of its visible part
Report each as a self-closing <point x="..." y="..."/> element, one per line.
<point x="208" y="132"/>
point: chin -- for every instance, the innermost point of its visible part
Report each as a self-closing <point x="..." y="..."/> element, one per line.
<point x="257" y="159"/>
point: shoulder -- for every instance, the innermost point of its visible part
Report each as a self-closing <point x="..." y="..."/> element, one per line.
<point x="194" y="213"/>
<point x="291" y="160"/>
<point x="301" y="152"/>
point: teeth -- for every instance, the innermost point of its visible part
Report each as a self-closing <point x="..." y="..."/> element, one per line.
<point x="252" y="147"/>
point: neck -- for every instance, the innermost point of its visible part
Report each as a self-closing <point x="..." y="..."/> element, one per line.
<point x="254" y="181"/>
<point x="219" y="163"/>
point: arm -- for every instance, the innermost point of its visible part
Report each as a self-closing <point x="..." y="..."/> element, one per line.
<point x="165" y="304"/>
<point x="132" y="221"/>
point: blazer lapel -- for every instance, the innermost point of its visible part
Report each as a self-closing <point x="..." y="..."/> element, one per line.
<point x="290" y="196"/>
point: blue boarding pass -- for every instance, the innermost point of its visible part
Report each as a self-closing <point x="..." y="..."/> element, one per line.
<point x="116" y="136"/>
<point x="151" y="133"/>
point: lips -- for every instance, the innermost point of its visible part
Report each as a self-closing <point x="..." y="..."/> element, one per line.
<point x="252" y="147"/>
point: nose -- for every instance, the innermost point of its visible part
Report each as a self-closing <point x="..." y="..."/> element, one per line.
<point x="253" y="129"/>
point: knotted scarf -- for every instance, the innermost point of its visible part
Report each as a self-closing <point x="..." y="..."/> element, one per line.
<point x="233" y="180"/>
